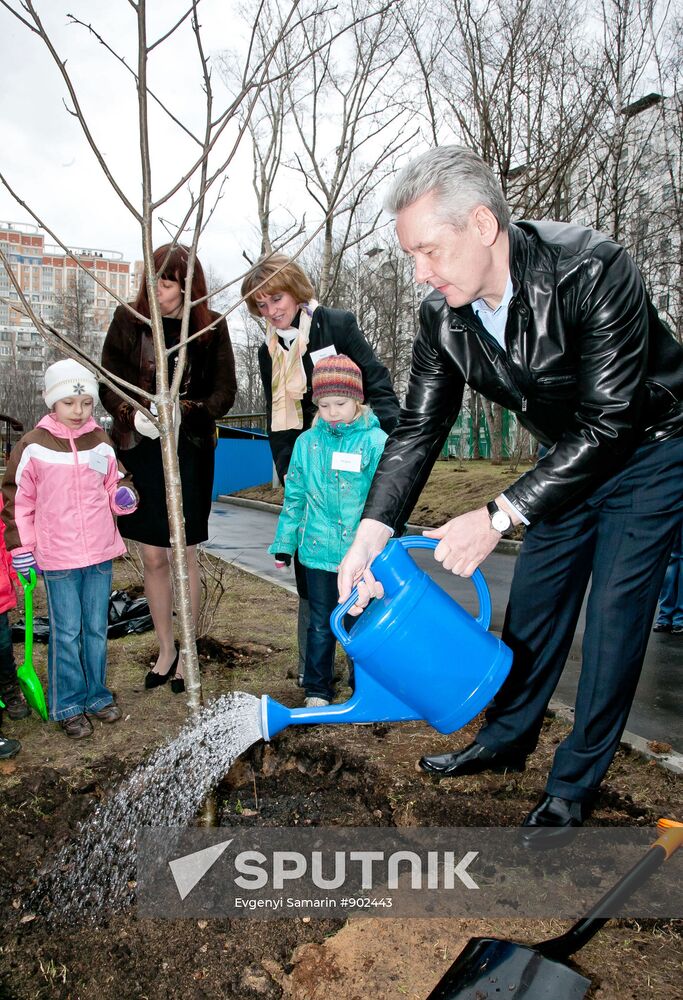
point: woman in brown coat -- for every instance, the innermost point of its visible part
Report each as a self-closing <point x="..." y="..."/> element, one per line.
<point x="207" y="392"/>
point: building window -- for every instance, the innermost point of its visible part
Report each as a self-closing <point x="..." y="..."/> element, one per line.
<point x="663" y="302"/>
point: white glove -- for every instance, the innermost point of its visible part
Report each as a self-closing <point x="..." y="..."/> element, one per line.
<point x="143" y="425"/>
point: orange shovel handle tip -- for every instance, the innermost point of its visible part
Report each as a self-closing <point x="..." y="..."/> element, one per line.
<point x="670" y="835"/>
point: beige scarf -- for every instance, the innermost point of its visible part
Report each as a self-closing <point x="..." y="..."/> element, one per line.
<point x="288" y="383"/>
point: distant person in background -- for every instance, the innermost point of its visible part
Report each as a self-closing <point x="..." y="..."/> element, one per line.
<point x="62" y="488"/>
<point x="670" y="617"/>
<point x="207" y="391"/>
<point x="299" y="333"/>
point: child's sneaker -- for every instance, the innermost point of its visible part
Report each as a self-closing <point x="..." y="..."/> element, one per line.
<point x="8" y="748"/>
<point x="15" y="703"/>
<point x="316" y="703"/>
<point x="77" y="727"/>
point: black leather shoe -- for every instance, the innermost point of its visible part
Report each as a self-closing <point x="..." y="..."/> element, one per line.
<point x="154" y="679"/>
<point x="177" y="685"/>
<point x="552" y="823"/>
<point x="472" y="760"/>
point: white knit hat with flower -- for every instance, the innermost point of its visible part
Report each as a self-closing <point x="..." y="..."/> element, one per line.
<point x="68" y="378"/>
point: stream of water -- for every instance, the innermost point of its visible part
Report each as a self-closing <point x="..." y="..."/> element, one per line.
<point x="97" y="868"/>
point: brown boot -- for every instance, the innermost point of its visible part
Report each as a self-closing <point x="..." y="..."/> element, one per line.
<point x="15" y="703"/>
<point x="77" y="727"/>
<point x="110" y="713"/>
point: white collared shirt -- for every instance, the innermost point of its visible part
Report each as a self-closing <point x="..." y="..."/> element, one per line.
<point x="494" y="320"/>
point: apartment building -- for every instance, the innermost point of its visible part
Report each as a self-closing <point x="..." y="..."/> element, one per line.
<point x="64" y="294"/>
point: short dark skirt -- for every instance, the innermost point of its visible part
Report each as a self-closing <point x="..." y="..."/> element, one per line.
<point x="149" y="523"/>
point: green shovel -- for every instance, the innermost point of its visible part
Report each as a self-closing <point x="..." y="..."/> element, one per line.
<point x="26" y="675"/>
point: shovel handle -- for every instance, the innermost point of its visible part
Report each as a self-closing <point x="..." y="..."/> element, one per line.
<point x="668" y="842"/>
<point x="28" y="585"/>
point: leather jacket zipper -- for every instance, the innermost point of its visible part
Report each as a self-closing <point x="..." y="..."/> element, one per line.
<point x="503" y="356"/>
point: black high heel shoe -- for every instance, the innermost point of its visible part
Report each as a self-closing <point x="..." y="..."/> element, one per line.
<point x="155" y="679"/>
<point x="178" y="685"/>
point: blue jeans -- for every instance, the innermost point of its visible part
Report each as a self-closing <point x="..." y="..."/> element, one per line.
<point x="78" y="605"/>
<point x="321" y="642"/>
<point x="619" y="540"/>
<point x="671" y="597"/>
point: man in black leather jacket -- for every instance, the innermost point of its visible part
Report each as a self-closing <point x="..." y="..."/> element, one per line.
<point x="553" y="322"/>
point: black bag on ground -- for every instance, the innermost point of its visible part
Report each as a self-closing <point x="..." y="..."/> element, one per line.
<point x="126" y="616"/>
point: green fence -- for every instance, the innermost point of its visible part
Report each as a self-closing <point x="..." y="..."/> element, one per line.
<point x="460" y="441"/>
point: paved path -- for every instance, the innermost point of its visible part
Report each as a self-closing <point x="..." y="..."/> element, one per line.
<point x="242" y="535"/>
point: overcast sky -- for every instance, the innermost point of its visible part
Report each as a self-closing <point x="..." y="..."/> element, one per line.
<point x="45" y="158"/>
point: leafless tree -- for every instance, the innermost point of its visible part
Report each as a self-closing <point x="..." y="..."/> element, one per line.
<point x="629" y="180"/>
<point x="343" y="126"/>
<point x="614" y="163"/>
<point x="250" y="396"/>
<point x="668" y="208"/>
<point x="513" y="81"/>
<point x="376" y="282"/>
<point x="74" y="313"/>
<point x="20" y="392"/>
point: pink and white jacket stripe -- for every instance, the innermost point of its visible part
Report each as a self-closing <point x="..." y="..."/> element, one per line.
<point x="58" y="504"/>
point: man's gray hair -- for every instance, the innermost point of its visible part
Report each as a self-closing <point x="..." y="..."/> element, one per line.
<point x="459" y="179"/>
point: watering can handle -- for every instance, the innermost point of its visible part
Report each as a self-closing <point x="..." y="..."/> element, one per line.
<point x="414" y="542"/>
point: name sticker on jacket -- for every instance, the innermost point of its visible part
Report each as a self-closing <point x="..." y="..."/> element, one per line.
<point x="345" y="462"/>
<point x="324" y="352"/>
<point x="98" y="462"/>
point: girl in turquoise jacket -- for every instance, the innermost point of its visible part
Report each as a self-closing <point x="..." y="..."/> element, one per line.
<point x="328" y="480"/>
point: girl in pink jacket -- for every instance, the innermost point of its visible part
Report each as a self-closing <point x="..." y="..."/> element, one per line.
<point x="62" y="487"/>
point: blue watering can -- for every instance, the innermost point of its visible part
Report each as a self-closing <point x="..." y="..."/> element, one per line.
<point x="417" y="653"/>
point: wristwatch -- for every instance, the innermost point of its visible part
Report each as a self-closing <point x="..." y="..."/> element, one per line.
<point x="500" y="520"/>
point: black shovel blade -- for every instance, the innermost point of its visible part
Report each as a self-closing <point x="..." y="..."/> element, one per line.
<point x="490" y="969"/>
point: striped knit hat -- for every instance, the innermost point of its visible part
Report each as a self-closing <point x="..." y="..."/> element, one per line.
<point x="337" y="376"/>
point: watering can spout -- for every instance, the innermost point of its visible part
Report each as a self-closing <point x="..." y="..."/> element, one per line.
<point x="369" y="703"/>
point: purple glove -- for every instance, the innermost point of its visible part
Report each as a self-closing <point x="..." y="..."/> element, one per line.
<point x="125" y="498"/>
<point x="22" y="562"/>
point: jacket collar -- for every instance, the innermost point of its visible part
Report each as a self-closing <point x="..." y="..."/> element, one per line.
<point x="342" y="430"/>
<point x="50" y="423"/>
<point x="519" y="256"/>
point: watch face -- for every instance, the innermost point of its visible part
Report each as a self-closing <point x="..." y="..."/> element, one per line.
<point x="501" y="521"/>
